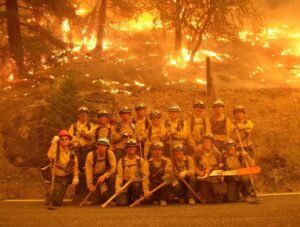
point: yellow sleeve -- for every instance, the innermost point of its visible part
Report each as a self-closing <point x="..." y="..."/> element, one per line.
<point x="75" y="167"/>
<point x="247" y="126"/>
<point x="115" y="137"/>
<point x="89" y="168"/>
<point x="229" y="128"/>
<point x="119" y="178"/>
<point x="249" y="160"/>
<point x="113" y="164"/>
<point x="71" y="130"/>
<point x="52" y="152"/>
<point x="182" y="134"/>
<point x="168" y="168"/>
<point x="191" y="169"/>
<point x="208" y="125"/>
<point x="145" y="171"/>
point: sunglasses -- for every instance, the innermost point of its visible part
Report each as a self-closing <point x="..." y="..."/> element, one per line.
<point x="64" y="139"/>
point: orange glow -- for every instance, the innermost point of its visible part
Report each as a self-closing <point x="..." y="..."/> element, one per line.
<point x="66" y="30"/>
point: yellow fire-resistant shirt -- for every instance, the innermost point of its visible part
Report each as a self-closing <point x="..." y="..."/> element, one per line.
<point x="61" y="164"/>
<point x="117" y="138"/>
<point x="196" y="130"/>
<point x="181" y="134"/>
<point x="100" y="167"/>
<point x="167" y="169"/>
<point x="81" y="132"/>
<point x="221" y="127"/>
<point x="127" y="169"/>
<point x="153" y="134"/>
<point x="102" y="132"/>
<point x="186" y="164"/>
<point x="207" y="160"/>
<point x="236" y="161"/>
<point x="245" y="129"/>
<point x="140" y="127"/>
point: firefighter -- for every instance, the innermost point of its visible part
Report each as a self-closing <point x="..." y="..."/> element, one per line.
<point x="244" y="128"/>
<point x="141" y="125"/>
<point x="160" y="170"/>
<point x="198" y="125"/>
<point x="221" y="126"/>
<point x="83" y="144"/>
<point x="232" y="160"/>
<point x="135" y="168"/>
<point x="155" y="132"/>
<point x="212" y="189"/>
<point x="100" y="170"/>
<point x="123" y="130"/>
<point x="176" y="129"/>
<point x="64" y="167"/>
<point x="184" y="168"/>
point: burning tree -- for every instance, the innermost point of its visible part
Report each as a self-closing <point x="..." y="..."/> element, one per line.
<point x="30" y="28"/>
<point x="202" y="18"/>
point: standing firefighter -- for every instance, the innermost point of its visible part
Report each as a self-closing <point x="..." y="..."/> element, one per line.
<point x="208" y="159"/>
<point x="160" y="170"/>
<point x="221" y="126"/>
<point x="198" y="125"/>
<point x="232" y="160"/>
<point x="176" y="129"/>
<point x="155" y="132"/>
<point x="100" y="170"/>
<point x="83" y="144"/>
<point x="123" y="130"/>
<point x="245" y="129"/>
<point x="103" y="129"/>
<point x="184" y="168"/>
<point x="64" y="167"/>
<point x="133" y="169"/>
<point x="141" y="125"/>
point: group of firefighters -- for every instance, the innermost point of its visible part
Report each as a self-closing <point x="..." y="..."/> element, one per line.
<point x="158" y="161"/>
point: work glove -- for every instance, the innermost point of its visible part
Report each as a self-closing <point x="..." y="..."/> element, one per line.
<point x="147" y="194"/>
<point x="92" y="188"/>
<point x="182" y="174"/>
<point x="55" y="139"/>
<point x="244" y="153"/>
<point x="75" y="181"/>
<point x="118" y="191"/>
<point x="101" y="179"/>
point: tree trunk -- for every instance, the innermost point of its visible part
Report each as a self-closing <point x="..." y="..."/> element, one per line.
<point x="14" y="36"/>
<point x="196" y="48"/>
<point x="178" y="31"/>
<point x="102" y="19"/>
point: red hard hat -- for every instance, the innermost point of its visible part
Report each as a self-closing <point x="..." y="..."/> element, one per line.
<point x="63" y="133"/>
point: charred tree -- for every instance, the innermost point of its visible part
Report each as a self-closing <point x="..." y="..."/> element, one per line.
<point x="178" y="30"/>
<point x="15" y="36"/>
<point x="101" y="27"/>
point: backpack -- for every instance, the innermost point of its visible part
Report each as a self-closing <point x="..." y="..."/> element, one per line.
<point x="88" y="124"/>
<point x="95" y="160"/>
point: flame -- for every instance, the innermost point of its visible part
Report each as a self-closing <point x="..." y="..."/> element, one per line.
<point x="143" y="22"/>
<point x="66" y="30"/>
<point x="200" y="81"/>
<point x="11" y="77"/>
<point x="139" y="84"/>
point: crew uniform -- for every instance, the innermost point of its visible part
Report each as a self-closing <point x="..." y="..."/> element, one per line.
<point x="153" y="133"/>
<point x="97" y="166"/>
<point x="221" y="127"/>
<point x="178" y="128"/>
<point x="212" y="189"/>
<point x="65" y="167"/>
<point x="197" y="126"/>
<point x="245" y="127"/>
<point x="236" y="184"/>
<point x="121" y="133"/>
<point x="186" y="166"/>
<point x="159" y="171"/>
<point x="136" y="169"/>
<point x="83" y="145"/>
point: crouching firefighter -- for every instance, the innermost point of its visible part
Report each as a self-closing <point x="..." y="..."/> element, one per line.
<point x="160" y="170"/>
<point x="64" y="168"/>
<point x="132" y="172"/>
<point x="232" y="160"/>
<point x="184" y="168"/>
<point x="100" y="171"/>
<point x="208" y="159"/>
